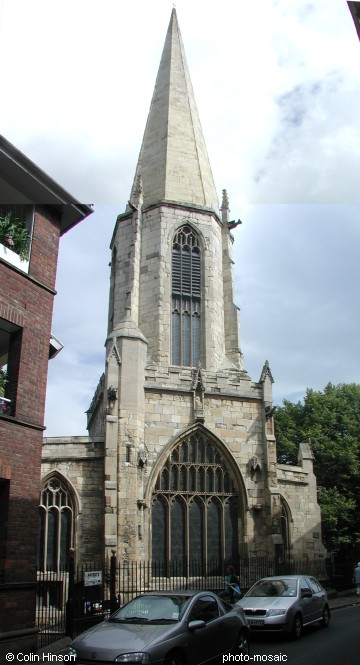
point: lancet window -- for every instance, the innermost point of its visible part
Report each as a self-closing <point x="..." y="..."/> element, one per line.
<point x="186" y="298"/>
<point x="285" y="527"/>
<point x="195" y="506"/>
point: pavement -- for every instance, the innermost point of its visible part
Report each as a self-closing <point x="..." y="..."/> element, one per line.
<point x="337" y="600"/>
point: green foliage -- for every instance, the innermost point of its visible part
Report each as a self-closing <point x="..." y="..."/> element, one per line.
<point x="337" y="515"/>
<point x="330" y="420"/>
<point x="14" y="235"/>
<point x="3" y="376"/>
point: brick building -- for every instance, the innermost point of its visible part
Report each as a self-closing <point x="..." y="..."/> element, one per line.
<point x="180" y="462"/>
<point x="29" y="239"/>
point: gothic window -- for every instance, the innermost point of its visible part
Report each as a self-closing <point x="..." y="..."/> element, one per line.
<point x="285" y="526"/>
<point x="186" y="298"/>
<point x="56" y="525"/>
<point x="195" y="516"/>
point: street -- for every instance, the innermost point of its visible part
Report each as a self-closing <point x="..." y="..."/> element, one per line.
<point x="336" y="645"/>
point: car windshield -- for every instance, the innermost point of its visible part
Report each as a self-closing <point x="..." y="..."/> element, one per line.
<point x="280" y="587"/>
<point x="152" y="609"/>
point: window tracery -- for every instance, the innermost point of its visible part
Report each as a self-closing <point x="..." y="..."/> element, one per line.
<point x="195" y="507"/>
<point x="56" y="528"/>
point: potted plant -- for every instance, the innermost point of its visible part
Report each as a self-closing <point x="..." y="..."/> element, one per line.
<point x="3" y="380"/>
<point x="14" y="235"/>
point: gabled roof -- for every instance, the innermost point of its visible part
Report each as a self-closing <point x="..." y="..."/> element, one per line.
<point x="21" y="181"/>
<point x="173" y="160"/>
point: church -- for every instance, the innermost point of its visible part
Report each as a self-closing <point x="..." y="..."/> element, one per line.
<point x="180" y="460"/>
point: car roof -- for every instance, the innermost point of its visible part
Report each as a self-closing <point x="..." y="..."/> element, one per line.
<point x="288" y="577"/>
<point x="175" y="592"/>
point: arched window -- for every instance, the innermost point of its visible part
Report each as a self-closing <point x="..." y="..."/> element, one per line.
<point x="186" y="298"/>
<point x="195" y="517"/>
<point x="285" y="527"/>
<point x="56" y="525"/>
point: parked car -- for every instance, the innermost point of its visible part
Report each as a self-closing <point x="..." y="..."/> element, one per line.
<point x="166" y="628"/>
<point x="286" y="604"/>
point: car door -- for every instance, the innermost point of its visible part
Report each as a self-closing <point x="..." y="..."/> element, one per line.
<point x="307" y="602"/>
<point x="318" y="597"/>
<point x="204" y="644"/>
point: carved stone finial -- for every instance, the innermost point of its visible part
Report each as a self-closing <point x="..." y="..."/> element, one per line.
<point x="225" y="207"/>
<point x="225" y="200"/>
<point x="266" y="371"/>
<point x="198" y="379"/>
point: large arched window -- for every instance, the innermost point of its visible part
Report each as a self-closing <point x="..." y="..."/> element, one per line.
<point x="186" y="298"/>
<point x="56" y="525"/>
<point x="195" y="509"/>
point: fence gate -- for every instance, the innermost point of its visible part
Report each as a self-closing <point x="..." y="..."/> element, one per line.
<point x="51" y="598"/>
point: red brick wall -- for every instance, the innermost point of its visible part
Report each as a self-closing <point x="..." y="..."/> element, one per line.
<point x="27" y="301"/>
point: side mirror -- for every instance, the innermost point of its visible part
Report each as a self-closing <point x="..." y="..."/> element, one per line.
<point x="196" y="624"/>
<point x="306" y="593"/>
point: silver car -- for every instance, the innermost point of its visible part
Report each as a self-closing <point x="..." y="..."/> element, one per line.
<point x="166" y="628"/>
<point x="286" y="604"/>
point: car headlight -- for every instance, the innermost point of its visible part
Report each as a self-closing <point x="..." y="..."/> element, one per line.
<point x="71" y="652"/>
<point x="135" y="657"/>
<point x="275" y="613"/>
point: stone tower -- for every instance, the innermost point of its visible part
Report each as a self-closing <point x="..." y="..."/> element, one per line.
<point x="189" y="450"/>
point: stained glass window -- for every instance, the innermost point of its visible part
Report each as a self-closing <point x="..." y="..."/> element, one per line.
<point x="196" y="516"/>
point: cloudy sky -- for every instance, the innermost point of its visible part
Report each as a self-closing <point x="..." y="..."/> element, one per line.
<point x="277" y="84"/>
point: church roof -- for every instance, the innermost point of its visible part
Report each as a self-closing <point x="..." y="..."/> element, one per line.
<point x="173" y="160"/>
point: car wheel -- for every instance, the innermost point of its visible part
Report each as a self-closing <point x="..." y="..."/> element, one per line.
<point x="324" y="622"/>
<point x="297" y="628"/>
<point x="174" y="658"/>
<point x="242" y="644"/>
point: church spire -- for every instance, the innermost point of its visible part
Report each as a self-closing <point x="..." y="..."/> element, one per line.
<point x="173" y="160"/>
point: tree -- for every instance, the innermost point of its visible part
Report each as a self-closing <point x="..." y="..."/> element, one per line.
<point x="330" y="420"/>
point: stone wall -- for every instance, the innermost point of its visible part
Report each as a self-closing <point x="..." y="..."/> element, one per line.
<point x="80" y="461"/>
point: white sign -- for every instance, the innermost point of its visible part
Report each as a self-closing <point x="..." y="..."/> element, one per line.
<point x="93" y="578"/>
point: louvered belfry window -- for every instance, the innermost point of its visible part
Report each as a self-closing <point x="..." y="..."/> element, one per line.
<point x="186" y="298"/>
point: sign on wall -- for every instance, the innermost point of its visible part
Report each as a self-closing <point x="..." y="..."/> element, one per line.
<point x="93" y="578"/>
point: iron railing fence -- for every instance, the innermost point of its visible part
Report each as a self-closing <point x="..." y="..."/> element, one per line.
<point x="51" y="598"/>
<point x="69" y="601"/>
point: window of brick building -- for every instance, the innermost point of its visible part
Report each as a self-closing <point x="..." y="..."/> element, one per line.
<point x="4" y="508"/>
<point x="10" y="348"/>
<point x="16" y="226"/>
